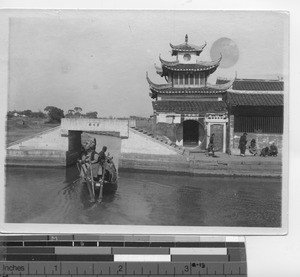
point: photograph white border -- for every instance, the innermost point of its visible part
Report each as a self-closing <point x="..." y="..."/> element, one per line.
<point x="135" y="229"/>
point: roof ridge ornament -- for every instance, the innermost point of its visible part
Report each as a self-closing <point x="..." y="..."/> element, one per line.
<point x="186" y="39"/>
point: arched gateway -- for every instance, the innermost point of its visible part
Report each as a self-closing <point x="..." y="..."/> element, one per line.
<point x="192" y="133"/>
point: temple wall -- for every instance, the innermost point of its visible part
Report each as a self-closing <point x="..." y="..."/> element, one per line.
<point x="262" y="140"/>
<point x="166" y="129"/>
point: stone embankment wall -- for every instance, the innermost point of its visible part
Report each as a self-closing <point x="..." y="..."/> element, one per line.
<point x="48" y="148"/>
<point x="139" y="151"/>
<point x="203" y="166"/>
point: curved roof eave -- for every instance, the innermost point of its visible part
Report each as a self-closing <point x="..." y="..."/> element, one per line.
<point x="222" y="87"/>
<point x="157" y="87"/>
<point x="183" y="47"/>
<point x="168" y="63"/>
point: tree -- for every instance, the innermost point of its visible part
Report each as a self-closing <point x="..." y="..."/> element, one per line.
<point x="27" y="113"/>
<point x="78" y="110"/>
<point x="54" y="114"/>
<point x="38" y="114"/>
<point x="91" y="115"/>
<point x="10" y="114"/>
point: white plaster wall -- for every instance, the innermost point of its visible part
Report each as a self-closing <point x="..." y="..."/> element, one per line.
<point x="97" y="124"/>
<point x="138" y="143"/>
<point x="51" y="140"/>
<point x="161" y="118"/>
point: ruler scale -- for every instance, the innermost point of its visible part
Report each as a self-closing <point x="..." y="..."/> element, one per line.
<point x="92" y="255"/>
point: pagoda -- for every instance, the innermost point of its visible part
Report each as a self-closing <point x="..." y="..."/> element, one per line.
<point x="187" y="109"/>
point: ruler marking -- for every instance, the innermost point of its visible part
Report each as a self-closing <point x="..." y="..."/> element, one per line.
<point x="211" y="268"/>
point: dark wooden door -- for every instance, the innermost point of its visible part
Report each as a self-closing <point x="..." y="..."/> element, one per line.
<point x="217" y="129"/>
<point x="190" y="132"/>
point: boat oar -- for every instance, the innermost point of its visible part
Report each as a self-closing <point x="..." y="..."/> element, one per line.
<point x="76" y="180"/>
<point x="92" y="180"/>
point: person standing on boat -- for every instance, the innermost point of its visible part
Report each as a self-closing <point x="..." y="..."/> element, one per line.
<point x="102" y="159"/>
<point x="86" y="170"/>
<point x="94" y="160"/>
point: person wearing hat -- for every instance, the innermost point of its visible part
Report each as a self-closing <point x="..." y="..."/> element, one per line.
<point x="242" y="144"/>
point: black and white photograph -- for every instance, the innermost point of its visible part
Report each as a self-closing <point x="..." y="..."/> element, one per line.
<point x="147" y="118"/>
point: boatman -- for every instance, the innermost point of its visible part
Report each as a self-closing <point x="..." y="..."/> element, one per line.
<point x="86" y="171"/>
<point x="94" y="160"/>
<point x="102" y="159"/>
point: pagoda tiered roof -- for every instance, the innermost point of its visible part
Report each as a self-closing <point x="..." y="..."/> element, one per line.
<point x="189" y="106"/>
<point x="186" y="47"/>
<point x="169" y="89"/>
<point x="175" y="66"/>
<point x="157" y="87"/>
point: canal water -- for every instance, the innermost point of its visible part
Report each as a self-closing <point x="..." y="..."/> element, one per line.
<point x="48" y="195"/>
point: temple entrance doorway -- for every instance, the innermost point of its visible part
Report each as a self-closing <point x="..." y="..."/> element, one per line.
<point x="191" y="133"/>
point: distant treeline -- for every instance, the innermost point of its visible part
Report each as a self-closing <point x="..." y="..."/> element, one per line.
<point x="27" y="113"/>
<point x="54" y="114"/>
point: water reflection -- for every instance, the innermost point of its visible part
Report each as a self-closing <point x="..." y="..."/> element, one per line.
<point x="51" y="196"/>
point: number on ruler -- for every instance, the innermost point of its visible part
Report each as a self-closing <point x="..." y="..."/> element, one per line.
<point x="120" y="268"/>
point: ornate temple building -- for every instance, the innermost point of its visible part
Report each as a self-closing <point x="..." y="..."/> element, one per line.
<point x="187" y="108"/>
<point x="255" y="106"/>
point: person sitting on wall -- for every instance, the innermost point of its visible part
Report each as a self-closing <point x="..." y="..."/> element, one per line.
<point x="253" y="148"/>
<point x="264" y="152"/>
<point x="101" y="160"/>
<point x="243" y="144"/>
<point x="273" y="151"/>
<point x="211" y="146"/>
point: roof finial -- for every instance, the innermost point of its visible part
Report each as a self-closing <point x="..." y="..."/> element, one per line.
<point x="186" y="38"/>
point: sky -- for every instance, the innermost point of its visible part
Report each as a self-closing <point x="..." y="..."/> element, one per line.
<point x="97" y="60"/>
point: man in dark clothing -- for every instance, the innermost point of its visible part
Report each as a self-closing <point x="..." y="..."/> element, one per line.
<point x="102" y="159"/>
<point x="242" y="144"/>
<point x="211" y="147"/>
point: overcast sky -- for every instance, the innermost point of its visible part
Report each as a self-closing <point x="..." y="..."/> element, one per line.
<point x="98" y="59"/>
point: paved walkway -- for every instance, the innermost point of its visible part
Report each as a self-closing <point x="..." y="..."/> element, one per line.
<point x="200" y="164"/>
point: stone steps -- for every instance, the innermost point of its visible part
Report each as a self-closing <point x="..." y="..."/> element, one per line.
<point x="169" y="144"/>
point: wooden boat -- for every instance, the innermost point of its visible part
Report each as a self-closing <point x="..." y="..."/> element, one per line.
<point x="108" y="183"/>
<point x="110" y="177"/>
